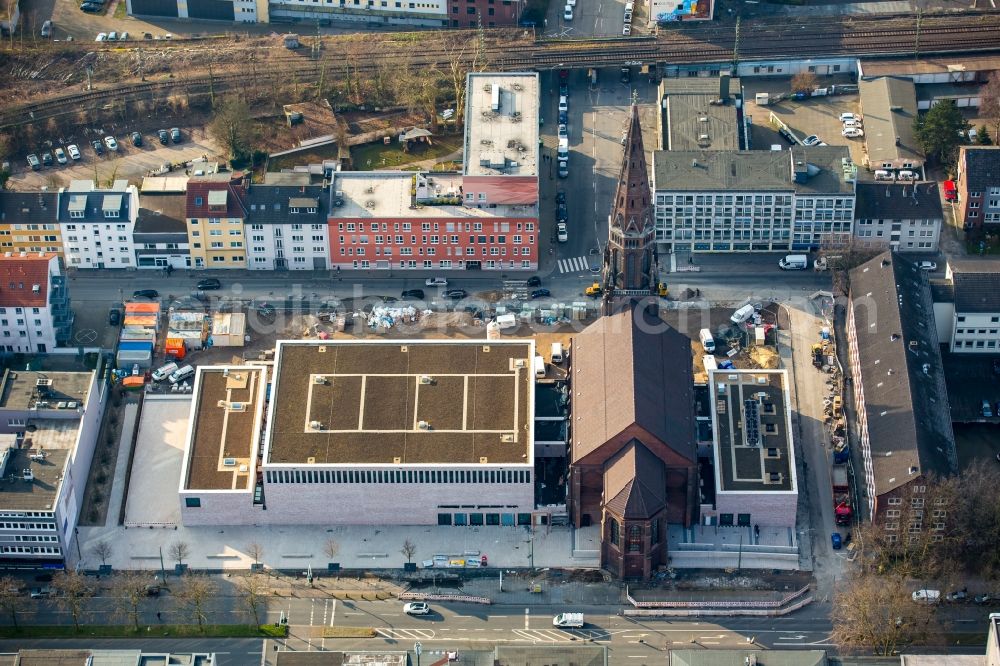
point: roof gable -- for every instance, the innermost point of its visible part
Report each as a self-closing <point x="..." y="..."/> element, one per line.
<point x="24" y="279"/>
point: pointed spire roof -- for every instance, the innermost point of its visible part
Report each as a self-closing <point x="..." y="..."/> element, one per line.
<point x="632" y="206"/>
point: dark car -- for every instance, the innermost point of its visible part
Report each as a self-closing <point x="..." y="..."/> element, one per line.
<point x="145" y="293"/>
<point x="209" y="284"/>
<point x="98" y="147"/>
<point x="562" y="213"/>
<point x="541" y="293"/>
<point x="563" y="118"/>
<point x="147" y="35"/>
<point x="114" y="317"/>
<point x="175" y="134"/>
<point x="47" y="159"/>
<point x="90" y="8"/>
<point x="164" y="137"/>
<point x="136" y="139"/>
<point x="417" y="294"/>
<point x="626" y="74"/>
<point x="534" y="281"/>
<point x="560" y="197"/>
<point x="456" y="294"/>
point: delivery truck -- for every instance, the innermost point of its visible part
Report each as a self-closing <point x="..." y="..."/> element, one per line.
<point x="568" y="620"/>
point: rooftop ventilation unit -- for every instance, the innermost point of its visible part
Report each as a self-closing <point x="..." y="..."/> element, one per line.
<point x="27" y="475"/>
<point x="319" y="379"/>
<point x="424" y="425"/>
<point x="229" y="462"/>
<point x="315" y="425"/>
<point x="483" y="460"/>
<point x="426" y="379"/>
<point x="397" y="460"/>
<point x="507" y="438"/>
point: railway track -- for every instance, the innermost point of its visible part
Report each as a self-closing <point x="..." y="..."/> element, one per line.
<point x="882" y="36"/>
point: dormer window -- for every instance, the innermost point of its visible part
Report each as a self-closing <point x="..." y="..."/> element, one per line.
<point x="112" y="213"/>
<point x="293" y="210"/>
<point x="198" y="201"/>
<point x="76" y="213"/>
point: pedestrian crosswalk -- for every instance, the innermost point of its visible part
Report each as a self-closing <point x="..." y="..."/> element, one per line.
<point x="406" y="634"/>
<point x="557" y="635"/>
<point x="573" y="265"/>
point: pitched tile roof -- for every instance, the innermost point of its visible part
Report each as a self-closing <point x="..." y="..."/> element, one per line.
<point x="902" y="377"/>
<point x="980" y="167"/>
<point x="28" y="207"/>
<point x="898" y="201"/>
<point x="635" y="482"/>
<point x="198" y="196"/>
<point x="976" y="285"/>
<point x="19" y="274"/>
<point x="632" y="370"/>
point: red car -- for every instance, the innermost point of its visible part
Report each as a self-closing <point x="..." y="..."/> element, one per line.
<point x="950" y="191"/>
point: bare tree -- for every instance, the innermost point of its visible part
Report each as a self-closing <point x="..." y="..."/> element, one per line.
<point x="408" y="550"/>
<point x="989" y="107"/>
<point x="11" y="599"/>
<point x="195" y="593"/>
<point x="128" y="589"/>
<point x="877" y="612"/>
<point x="179" y="551"/>
<point x="233" y="127"/>
<point x="804" y="82"/>
<point x="460" y="49"/>
<point x="103" y="550"/>
<point x="256" y="551"/>
<point x="72" y="589"/>
<point x="331" y="548"/>
<point x="254" y="592"/>
<point x="976" y="521"/>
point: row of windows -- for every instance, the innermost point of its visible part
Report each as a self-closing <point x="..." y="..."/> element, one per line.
<point x="295" y="227"/>
<point x="28" y="526"/>
<point x="725" y="199"/>
<point x="972" y="331"/>
<point x="364" y="264"/>
<point x="503" y="519"/>
<point x="451" y="252"/>
<point x="23" y="514"/>
<point x="45" y="550"/>
<point x="3" y="311"/>
<point x="399" y="476"/>
<point x="498" y="227"/>
<point x="978" y="344"/>
<point x="40" y="537"/>
<point x="436" y="240"/>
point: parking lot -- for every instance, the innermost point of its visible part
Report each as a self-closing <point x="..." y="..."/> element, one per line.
<point x="129" y="162"/>
<point x="971" y="380"/>
<point x="818" y="116"/>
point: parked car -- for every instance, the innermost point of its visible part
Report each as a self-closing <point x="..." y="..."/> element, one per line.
<point x="541" y="293"/>
<point x="567" y="13"/>
<point x="563" y="103"/>
<point x="136" y="139"/>
<point x="626" y="30"/>
<point x="47" y="159"/>
<point x="114" y="317"/>
<point x="950" y="191"/>
<point x="927" y="265"/>
<point x="416" y="608"/>
<point x="164" y="137"/>
<point x="113" y="36"/>
<point x="145" y="293"/>
<point x="40" y="592"/>
<point x="984" y="598"/>
<point x="957" y="595"/>
<point x="563" y="131"/>
<point x="111" y="143"/>
<point x="562" y="234"/>
<point x="563" y="168"/>
<point x="837" y="541"/>
<point x="175" y="134"/>
<point x="926" y="596"/>
<point x="852" y="132"/>
<point x="123" y="36"/>
<point x="562" y="213"/>
<point x="61" y="156"/>
<point x="101" y="36"/>
<point x="987" y="409"/>
<point x="849" y="117"/>
<point x="34" y="162"/>
<point x="209" y="284"/>
<point x="560" y="197"/>
<point x="436" y="282"/>
<point x="73" y="151"/>
<point x="811" y="140"/>
<point x="98" y="147"/>
<point x="563" y="118"/>
<point x="456" y="294"/>
<point x="90" y="8"/>
<point x="534" y="281"/>
<point x="417" y="294"/>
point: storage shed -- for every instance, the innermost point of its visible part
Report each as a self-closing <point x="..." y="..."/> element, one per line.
<point x="228" y="329"/>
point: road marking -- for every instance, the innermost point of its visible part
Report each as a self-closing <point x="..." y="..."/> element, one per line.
<point x="797" y="637"/>
<point x="333" y="612"/>
<point x="574" y="264"/>
<point x="527" y="616"/>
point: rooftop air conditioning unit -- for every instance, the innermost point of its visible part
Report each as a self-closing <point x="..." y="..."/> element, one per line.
<point x="229" y="462"/>
<point x="426" y="379"/>
<point x="519" y="363"/>
<point x="424" y="425"/>
<point x="507" y="438"/>
<point x="315" y="425"/>
<point x="71" y="405"/>
<point x="319" y="379"/>
<point x="27" y="475"/>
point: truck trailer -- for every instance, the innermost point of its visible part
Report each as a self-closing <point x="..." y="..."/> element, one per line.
<point x="842" y="510"/>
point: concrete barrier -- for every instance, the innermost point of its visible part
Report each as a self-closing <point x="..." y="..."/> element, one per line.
<point x="459" y="598"/>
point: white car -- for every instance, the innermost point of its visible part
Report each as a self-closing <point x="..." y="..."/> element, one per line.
<point x="436" y="282"/>
<point x="849" y="117"/>
<point x="853" y="132"/>
<point x="852" y="123"/>
<point x="110" y="142"/>
<point x="568" y="13"/>
<point x="626" y="30"/>
<point x="101" y="37"/>
<point x="73" y="151"/>
<point x="112" y="36"/>
<point x="417" y="608"/>
<point x="561" y="233"/>
<point x="61" y="156"/>
<point x="811" y="140"/>
<point x="927" y="265"/>
<point x="563" y="103"/>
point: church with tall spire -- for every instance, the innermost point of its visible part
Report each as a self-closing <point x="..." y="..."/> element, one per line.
<point x="629" y="257"/>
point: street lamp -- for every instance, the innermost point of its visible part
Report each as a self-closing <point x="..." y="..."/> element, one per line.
<point x="417" y="649"/>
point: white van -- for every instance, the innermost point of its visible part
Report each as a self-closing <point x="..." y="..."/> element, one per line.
<point x="163" y="372"/>
<point x="180" y="374"/>
<point x="883" y="175"/>
<point x="927" y="596"/>
<point x="557" y="352"/>
<point x="743" y="314"/>
<point x="539" y="367"/>
<point x="707" y="341"/>
<point x="794" y="262"/>
<point x="571" y="620"/>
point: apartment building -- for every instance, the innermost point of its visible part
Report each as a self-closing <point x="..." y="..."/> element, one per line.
<point x="902" y="217"/>
<point x="404" y="220"/>
<point x="904" y="419"/>
<point x="492" y="13"/>
<point x="35" y="313"/>
<point x="49" y="422"/>
<point x="967" y="306"/>
<point x="160" y="235"/>
<point x="287" y="227"/>
<point x="215" y="214"/>
<point x="28" y="222"/>
<point x="425" y="13"/>
<point x="98" y="224"/>
<point x="978" y="185"/>
<point x="753" y="201"/>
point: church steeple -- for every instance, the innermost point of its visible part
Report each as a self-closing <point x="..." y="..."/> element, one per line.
<point x="629" y="260"/>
